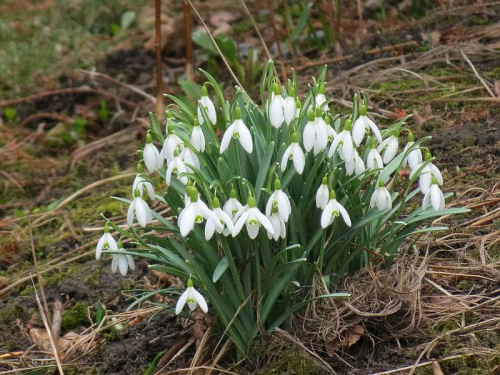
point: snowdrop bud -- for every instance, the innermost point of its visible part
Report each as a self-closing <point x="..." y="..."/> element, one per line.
<point x="322" y="195"/>
<point x="197" y="137"/>
<point x="152" y="157"/>
<point x="276" y="114"/>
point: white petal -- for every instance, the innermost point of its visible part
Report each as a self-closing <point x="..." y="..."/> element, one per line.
<point x="149" y="188"/>
<point x="289" y="109"/>
<point x="209" y="230"/>
<point x="226" y="138"/>
<point x="383" y="144"/>
<point x="388" y="200"/>
<point x="186" y="220"/>
<point x="322" y="196"/>
<point x="141" y="210"/>
<point x="309" y="136"/>
<point x="245" y="138"/>
<point x="437" y="198"/>
<point x="276" y="116"/>
<point x="114" y="263"/>
<point x="299" y="160"/>
<point x="130" y="213"/>
<point x="286" y="155"/>
<point x="150" y="157"/>
<point x="123" y="264"/>
<point x="201" y="301"/>
<point x="358" y="130"/>
<point x="100" y="245"/>
<point x="264" y="221"/>
<point x="414" y="158"/>
<point x="239" y="223"/>
<point x="131" y="262"/>
<point x="335" y="144"/>
<point x="347" y="147"/>
<point x="391" y="150"/>
<point x="326" y="216"/>
<point x="425" y="202"/>
<point x="374" y="198"/>
<point x="425" y="182"/>
<point x="344" y="214"/>
<point x="253" y="231"/>
<point x="374" y="129"/>
<point x="181" y="302"/>
<point x="381" y="199"/>
<point x="436" y="173"/>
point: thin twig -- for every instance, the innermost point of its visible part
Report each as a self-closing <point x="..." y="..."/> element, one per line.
<point x="217" y="47"/>
<point x="189" y="40"/>
<point x="277" y="40"/>
<point x="159" y="76"/>
<point x="481" y="79"/>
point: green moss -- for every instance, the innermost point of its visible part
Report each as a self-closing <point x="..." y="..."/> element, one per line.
<point x="10" y="312"/>
<point x="74" y="318"/>
<point x="493" y="74"/>
<point x="401" y="85"/>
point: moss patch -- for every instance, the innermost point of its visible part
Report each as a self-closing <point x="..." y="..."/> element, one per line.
<point x="74" y="318"/>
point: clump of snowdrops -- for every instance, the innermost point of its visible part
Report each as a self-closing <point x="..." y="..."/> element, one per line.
<point x="266" y="197"/>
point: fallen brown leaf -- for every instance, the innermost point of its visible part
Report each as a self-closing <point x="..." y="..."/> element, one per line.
<point x="345" y="340"/>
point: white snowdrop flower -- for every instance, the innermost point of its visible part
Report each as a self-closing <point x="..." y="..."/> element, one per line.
<point x="171" y="143"/>
<point x="279" y="225"/>
<point x="315" y="134"/>
<point x="106" y="242"/>
<point x="426" y="174"/>
<point x="298" y="107"/>
<point x="197" y="137"/>
<point x="321" y="129"/>
<point x="390" y="146"/>
<point x="225" y="220"/>
<point x="414" y="158"/>
<point x="238" y="130"/>
<point x="276" y="113"/>
<point x="122" y="261"/>
<point x="176" y="167"/>
<point x="363" y="125"/>
<point x="192" y="297"/>
<point x="323" y="194"/>
<point x="140" y="183"/>
<point x="320" y="96"/>
<point x="294" y="152"/>
<point x="355" y="166"/>
<point x="343" y="143"/>
<point x="434" y="196"/>
<point x="140" y="209"/>
<point x="332" y="210"/>
<point x="253" y="219"/>
<point x="190" y="158"/>
<point x="381" y="198"/>
<point x="289" y="106"/>
<point x="195" y="213"/>
<point x="151" y="156"/>
<point x="208" y="106"/>
<point x="373" y="159"/>
<point x="232" y="206"/>
<point x="279" y="200"/>
<point x="330" y="131"/>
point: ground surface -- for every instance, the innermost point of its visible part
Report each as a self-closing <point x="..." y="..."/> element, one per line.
<point x="61" y="142"/>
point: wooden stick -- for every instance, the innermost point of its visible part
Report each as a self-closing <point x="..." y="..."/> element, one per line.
<point x="159" y="76"/>
<point x="277" y="41"/>
<point x="186" y="10"/>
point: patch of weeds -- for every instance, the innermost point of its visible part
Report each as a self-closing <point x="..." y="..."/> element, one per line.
<point x="75" y="317"/>
<point x="10" y="312"/>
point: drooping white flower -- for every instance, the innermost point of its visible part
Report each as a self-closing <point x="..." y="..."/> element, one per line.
<point x="343" y="143"/>
<point x="176" y="167"/>
<point x="232" y="206"/>
<point x="122" y="261"/>
<point x="140" y="209"/>
<point x="315" y="134"/>
<point x="279" y="200"/>
<point x="140" y="183"/>
<point x="330" y="130"/>
<point x="225" y="220"/>
<point x="373" y="159"/>
<point x="171" y="143"/>
<point x="381" y="198"/>
<point x="276" y="113"/>
<point x="363" y="125"/>
<point x="355" y="166"/>
<point x="106" y="242"/>
<point x="279" y="225"/>
<point x="323" y="194"/>
<point x="414" y="158"/>
<point x="253" y="219"/>
<point x="190" y="158"/>
<point x="289" y="106"/>
<point x="294" y="152"/>
<point x="197" y="137"/>
<point x="238" y="130"/>
<point x="195" y="212"/>
<point x="390" y="146"/>
<point x="332" y="210"/>
<point x="320" y="96"/>
<point x="152" y="158"/>
<point x="192" y="297"/>
<point x="426" y="174"/>
<point x="208" y="106"/>
<point x="434" y="196"/>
